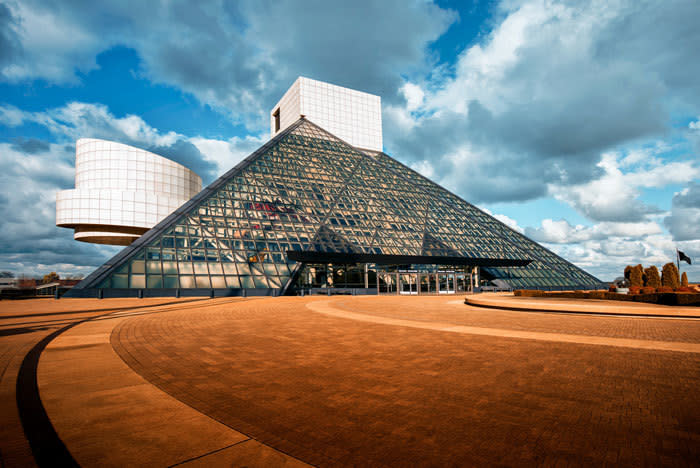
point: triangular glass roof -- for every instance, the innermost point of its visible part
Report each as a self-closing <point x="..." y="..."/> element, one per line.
<point x="308" y="191"/>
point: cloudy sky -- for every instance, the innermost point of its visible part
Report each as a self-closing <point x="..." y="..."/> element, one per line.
<point x="577" y="123"/>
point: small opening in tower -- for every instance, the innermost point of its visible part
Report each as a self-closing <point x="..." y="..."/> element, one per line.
<point x="276" y="115"/>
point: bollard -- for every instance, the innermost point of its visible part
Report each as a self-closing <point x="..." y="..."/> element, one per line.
<point x="177" y="292"/>
<point x="140" y="293"/>
<point x="100" y="294"/>
<point x="211" y="294"/>
<point x="244" y="292"/>
<point x="56" y="295"/>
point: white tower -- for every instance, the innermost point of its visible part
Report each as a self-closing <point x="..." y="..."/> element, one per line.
<point x="353" y="116"/>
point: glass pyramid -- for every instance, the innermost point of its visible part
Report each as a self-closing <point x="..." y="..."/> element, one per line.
<point x="308" y="195"/>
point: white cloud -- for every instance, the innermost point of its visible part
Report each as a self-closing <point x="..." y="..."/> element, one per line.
<point x="235" y="56"/>
<point x="510" y="222"/>
<point x="227" y="153"/>
<point x="614" y="195"/>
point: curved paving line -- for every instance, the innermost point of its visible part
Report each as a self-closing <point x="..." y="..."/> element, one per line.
<point x="327" y="308"/>
<point x="47" y="448"/>
<point x="577" y="312"/>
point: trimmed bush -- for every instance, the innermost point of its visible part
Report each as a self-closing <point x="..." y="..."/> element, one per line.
<point x="684" y="280"/>
<point x="664" y="289"/>
<point x="669" y="276"/>
<point x="628" y="269"/>
<point x="635" y="289"/>
<point x="648" y="289"/>
<point x="637" y="276"/>
<point x="651" y="277"/>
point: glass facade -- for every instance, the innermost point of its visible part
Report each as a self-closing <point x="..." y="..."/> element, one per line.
<point x="308" y="191"/>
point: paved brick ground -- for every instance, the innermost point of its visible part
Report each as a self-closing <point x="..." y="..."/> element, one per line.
<point x="335" y="391"/>
<point x="23" y="323"/>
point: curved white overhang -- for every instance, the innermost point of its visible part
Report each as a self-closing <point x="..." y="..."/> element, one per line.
<point x="121" y="192"/>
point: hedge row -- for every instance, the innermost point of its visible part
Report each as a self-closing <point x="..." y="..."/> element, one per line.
<point x="663" y="298"/>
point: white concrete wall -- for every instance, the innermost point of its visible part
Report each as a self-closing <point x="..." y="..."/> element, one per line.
<point x="121" y="186"/>
<point x="353" y="116"/>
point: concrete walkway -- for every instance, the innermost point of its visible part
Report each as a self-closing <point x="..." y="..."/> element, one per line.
<point x="508" y="301"/>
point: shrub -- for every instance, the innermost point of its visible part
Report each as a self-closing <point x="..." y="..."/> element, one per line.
<point x="685" y="289"/>
<point x="651" y="277"/>
<point x="612" y="288"/>
<point x="664" y="289"/>
<point x="635" y="289"/>
<point x="648" y="290"/>
<point x="684" y="280"/>
<point x="637" y="276"/>
<point x="669" y="276"/>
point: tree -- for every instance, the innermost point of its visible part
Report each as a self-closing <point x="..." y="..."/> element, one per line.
<point x="684" y="280"/>
<point x="51" y="277"/>
<point x="651" y="277"/>
<point x="669" y="276"/>
<point x="637" y="276"/>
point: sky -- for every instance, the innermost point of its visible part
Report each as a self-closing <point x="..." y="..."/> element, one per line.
<point x="576" y="123"/>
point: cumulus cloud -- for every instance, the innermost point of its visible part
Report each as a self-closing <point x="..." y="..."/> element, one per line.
<point x="36" y="170"/>
<point x="549" y="90"/>
<point x="684" y="220"/>
<point x="562" y="232"/>
<point x="85" y="120"/>
<point x="613" y="195"/>
<point x="32" y="244"/>
<point x="237" y="56"/>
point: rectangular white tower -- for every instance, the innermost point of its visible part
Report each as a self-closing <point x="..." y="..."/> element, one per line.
<point x="353" y="116"/>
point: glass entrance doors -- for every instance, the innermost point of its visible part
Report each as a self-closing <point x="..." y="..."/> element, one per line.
<point x="408" y="283"/>
<point x="446" y="283"/>
<point x="422" y="282"/>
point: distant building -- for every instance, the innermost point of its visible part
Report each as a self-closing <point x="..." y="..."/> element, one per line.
<point x="121" y="192"/>
<point x="8" y="283"/>
<point x="60" y="286"/>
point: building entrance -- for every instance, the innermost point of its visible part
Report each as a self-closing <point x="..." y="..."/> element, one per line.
<point x="446" y="283"/>
<point x="408" y="283"/>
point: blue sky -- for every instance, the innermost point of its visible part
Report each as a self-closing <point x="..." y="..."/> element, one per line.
<point x="577" y="123"/>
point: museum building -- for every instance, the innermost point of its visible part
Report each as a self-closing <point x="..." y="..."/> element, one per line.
<point x="321" y="208"/>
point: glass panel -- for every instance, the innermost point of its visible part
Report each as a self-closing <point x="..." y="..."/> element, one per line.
<point x="186" y="281"/>
<point x="218" y="282"/>
<point x="120" y="281"/>
<point x="137" y="281"/>
<point x="203" y="282"/>
<point x="155" y="281"/>
<point x="138" y="266"/>
<point x="170" y="282"/>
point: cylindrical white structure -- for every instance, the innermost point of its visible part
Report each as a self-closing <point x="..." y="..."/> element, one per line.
<point x="121" y="192"/>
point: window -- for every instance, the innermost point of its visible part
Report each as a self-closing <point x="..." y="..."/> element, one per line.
<point x="276" y="115"/>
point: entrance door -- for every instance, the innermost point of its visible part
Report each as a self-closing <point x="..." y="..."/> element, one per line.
<point x="387" y="282"/>
<point x="446" y="283"/>
<point x="427" y="283"/>
<point x="407" y="283"/>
